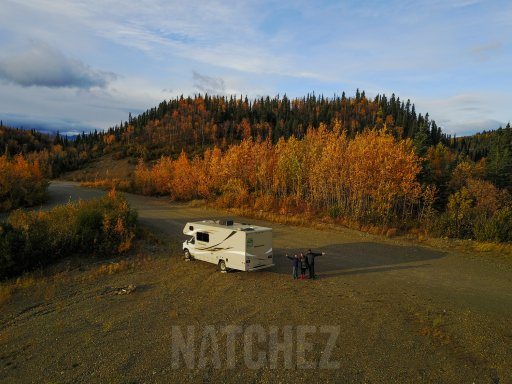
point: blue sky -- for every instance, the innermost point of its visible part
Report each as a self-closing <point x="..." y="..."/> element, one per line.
<point x="82" y="64"/>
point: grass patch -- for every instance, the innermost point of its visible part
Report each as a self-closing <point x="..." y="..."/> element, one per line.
<point x="26" y="281"/>
<point x="119" y="184"/>
<point x="5" y="293"/>
<point x="43" y="289"/>
<point x="432" y="325"/>
<point x="502" y="248"/>
<point x="111" y="268"/>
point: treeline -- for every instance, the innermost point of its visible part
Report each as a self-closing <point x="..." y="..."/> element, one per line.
<point x="272" y="140"/>
<point x="28" y="160"/>
<point x="59" y="154"/>
<point x="201" y="122"/>
<point x="493" y="147"/>
<point x="364" y="160"/>
<point x="372" y="178"/>
<point x="20" y="141"/>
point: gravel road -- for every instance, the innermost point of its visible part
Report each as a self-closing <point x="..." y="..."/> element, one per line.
<point x="404" y="312"/>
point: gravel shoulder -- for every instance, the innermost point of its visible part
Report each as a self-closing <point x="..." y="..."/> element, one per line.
<point x="405" y="312"/>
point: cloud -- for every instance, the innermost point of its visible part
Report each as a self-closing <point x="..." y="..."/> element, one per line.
<point x="44" y="66"/>
<point x="207" y="84"/>
<point x="470" y="127"/>
<point x="424" y="50"/>
<point x="465" y="113"/>
<point x="485" y="51"/>
<point x="225" y="34"/>
<point x="463" y="102"/>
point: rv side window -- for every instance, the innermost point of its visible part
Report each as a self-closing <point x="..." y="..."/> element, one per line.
<point x="201" y="236"/>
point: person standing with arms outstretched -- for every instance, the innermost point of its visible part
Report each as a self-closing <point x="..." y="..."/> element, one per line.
<point x="303" y="265"/>
<point x="296" y="262"/>
<point x="310" y="257"/>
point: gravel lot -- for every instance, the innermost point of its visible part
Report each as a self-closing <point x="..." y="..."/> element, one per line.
<point x="382" y="310"/>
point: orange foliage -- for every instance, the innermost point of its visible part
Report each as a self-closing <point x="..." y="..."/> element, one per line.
<point x="184" y="181"/>
<point x="372" y="177"/>
<point x="109" y="139"/>
<point x="142" y="178"/>
<point x="21" y="182"/>
<point x="381" y="173"/>
<point x="486" y="196"/>
<point x="161" y="176"/>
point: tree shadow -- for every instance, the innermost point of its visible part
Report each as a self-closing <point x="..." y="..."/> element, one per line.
<point x="340" y="259"/>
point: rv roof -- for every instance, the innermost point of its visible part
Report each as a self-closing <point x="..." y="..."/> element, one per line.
<point x="234" y="227"/>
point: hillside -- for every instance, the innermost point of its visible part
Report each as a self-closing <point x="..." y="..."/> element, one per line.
<point x="495" y="148"/>
<point x="361" y="161"/>
<point x="14" y="141"/>
<point x="194" y="124"/>
<point x="105" y="167"/>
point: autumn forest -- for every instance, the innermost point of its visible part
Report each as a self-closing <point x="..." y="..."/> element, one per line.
<point x="352" y="160"/>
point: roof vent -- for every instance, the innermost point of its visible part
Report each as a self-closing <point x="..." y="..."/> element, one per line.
<point x="227" y="222"/>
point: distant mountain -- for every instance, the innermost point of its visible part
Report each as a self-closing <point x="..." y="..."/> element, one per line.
<point x="65" y="128"/>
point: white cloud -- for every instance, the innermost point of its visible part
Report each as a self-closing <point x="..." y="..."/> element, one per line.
<point x="72" y="108"/>
<point x="45" y="66"/>
<point x="466" y="113"/>
<point x="208" y="84"/>
<point x="420" y="50"/>
<point x="223" y="34"/>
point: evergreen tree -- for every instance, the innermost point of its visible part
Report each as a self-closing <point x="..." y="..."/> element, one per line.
<point x="499" y="161"/>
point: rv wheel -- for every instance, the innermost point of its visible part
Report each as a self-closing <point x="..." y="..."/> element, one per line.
<point x="187" y="255"/>
<point x="222" y="266"/>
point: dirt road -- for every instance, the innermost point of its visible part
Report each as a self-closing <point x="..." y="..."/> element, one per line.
<point x="404" y="313"/>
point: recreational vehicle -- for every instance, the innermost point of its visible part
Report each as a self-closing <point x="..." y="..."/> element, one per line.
<point x="229" y="245"/>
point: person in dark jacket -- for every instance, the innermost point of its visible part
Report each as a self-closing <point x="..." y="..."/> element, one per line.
<point x="303" y="265"/>
<point x="310" y="257"/>
<point x="295" y="262"/>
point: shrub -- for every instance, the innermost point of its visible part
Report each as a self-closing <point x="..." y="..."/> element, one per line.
<point x="391" y="232"/>
<point x="88" y="225"/>
<point x="498" y="228"/>
<point x="22" y="182"/>
<point x="12" y="246"/>
<point x="335" y="211"/>
<point x="35" y="249"/>
<point x="34" y="239"/>
<point x="62" y="232"/>
<point x="118" y="224"/>
<point x="459" y="212"/>
<point x="264" y="203"/>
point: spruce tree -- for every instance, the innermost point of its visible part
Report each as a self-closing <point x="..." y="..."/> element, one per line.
<point x="499" y="161"/>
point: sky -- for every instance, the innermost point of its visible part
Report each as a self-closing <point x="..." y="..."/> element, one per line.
<point x="80" y="65"/>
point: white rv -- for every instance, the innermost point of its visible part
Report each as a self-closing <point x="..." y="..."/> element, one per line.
<point x="229" y="245"/>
